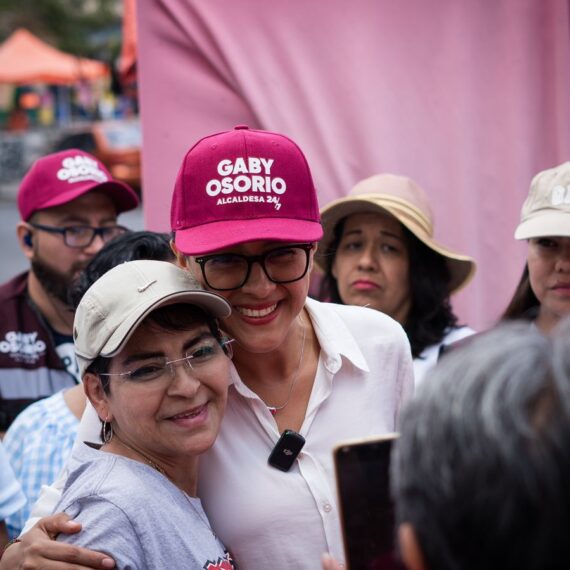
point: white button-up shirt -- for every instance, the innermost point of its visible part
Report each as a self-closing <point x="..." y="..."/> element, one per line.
<point x="271" y="519"/>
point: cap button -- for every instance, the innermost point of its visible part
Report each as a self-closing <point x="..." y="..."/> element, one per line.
<point x="241" y="127"/>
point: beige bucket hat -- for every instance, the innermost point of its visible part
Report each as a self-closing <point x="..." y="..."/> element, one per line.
<point x="402" y="198"/>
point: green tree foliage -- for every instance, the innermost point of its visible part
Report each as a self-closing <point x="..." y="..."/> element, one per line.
<point x="89" y="28"/>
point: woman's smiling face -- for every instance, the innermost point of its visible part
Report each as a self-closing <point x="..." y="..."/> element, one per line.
<point x="262" y="311"/>
<point x="176" y="414"/>
<point x="371" y="265"/>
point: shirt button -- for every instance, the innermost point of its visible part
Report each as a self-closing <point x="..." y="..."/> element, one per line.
<point x="327" y="508"/>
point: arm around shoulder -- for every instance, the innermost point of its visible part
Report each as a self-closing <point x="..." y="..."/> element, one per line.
<point x="38" y="549"/>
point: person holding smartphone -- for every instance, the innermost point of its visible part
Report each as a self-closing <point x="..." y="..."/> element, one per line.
<point x="246" y="224"/>
<point x="479" y="477"/>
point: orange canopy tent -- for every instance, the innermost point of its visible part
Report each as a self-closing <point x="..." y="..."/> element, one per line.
<point x="25" y="59"/>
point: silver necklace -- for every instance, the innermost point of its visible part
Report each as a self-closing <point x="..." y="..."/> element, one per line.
<point x="275" y="409"/>
<point x="147" y="460"/>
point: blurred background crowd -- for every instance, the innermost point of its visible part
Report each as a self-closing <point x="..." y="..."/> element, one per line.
<point x="67" y="81"/>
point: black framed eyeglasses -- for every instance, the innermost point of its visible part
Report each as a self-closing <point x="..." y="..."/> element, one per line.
<point x="82" y="236"/>
<point x="228" y="271"/>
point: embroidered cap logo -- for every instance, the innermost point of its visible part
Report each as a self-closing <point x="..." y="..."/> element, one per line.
<point x="79" y="168"/>
<point x="247" y="175"/>
<point x="243" y="185"/>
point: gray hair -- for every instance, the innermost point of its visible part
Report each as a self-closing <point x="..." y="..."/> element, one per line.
<point x="482" y="467"/>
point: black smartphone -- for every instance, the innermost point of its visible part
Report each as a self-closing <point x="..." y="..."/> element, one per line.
<point x="286" y="450"/>
<point x="367" y="513"/>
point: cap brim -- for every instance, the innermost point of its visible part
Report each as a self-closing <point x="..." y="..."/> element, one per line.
<point x="123" y="196"/>
<point x="219" y="235"/>
<point x="212" y="303"/>
<point x="555" y="223"/>
<point x="461" y="267"/>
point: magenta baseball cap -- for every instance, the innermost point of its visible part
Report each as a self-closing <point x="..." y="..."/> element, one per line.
<point x="243" y="185"/>
<point x="59" y="178"/>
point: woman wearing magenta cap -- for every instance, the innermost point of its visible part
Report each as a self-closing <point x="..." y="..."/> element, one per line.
<point x="246" y="223"/>
<point x="378" y="251"/>
<point x="245" y="220"/>
<point x="542" y="295"/>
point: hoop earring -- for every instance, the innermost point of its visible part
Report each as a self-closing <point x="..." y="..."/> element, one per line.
<point x="107" y="432"/>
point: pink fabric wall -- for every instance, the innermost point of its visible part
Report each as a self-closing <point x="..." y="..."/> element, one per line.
<point x="468" y="98"/>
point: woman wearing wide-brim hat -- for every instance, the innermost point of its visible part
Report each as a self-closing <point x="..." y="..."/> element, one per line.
<point x="378" y="250"/>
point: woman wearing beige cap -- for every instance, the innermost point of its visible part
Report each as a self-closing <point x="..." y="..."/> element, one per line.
<point x="155" y="367"/>
<point x="543" y="292"/>
<point x="378" y="251"/>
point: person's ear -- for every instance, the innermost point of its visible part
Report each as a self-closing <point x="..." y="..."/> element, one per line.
<point x="410" y="548"/>
<point x="24" y="234"/>
<point x="181" y="259"/>
<point x="312" y="257"/>
<point x="96" y="395"/>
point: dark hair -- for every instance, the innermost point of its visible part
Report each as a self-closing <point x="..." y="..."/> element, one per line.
<point x="430" y="313"/>
<point x="481" y="467"/>
<point x="524" y="304"/>
<point x="129" y="246"/>
<point x="168" y="318"/>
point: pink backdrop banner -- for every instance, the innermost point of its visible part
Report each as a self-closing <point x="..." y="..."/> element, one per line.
<point x="470" y="99"/>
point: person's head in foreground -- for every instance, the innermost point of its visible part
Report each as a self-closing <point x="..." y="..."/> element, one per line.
<point x="154" y="363"/>
<point x="543" y="292"/>
<point x="378" y="251"/>
<point x="245" y="220"/>
<point x="480" y="471"/>
<point x="68" y="203"/>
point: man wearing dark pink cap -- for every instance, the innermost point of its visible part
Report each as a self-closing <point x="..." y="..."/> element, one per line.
<point x="68" y="204"/>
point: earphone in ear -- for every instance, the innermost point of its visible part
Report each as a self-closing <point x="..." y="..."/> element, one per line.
<point x="28" y="239"/>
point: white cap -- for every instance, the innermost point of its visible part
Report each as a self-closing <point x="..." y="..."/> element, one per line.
<point x="118" y="302"/>
<point x="546" y="211"/>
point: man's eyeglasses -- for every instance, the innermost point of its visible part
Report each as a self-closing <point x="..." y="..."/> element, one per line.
<point x="162" y="369"/>
<point x="82" y="236"/>
<point x="228" y="271"/>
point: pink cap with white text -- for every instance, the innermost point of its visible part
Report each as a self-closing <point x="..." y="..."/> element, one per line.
<point x="243" y="185"/>
<point x="61" y="177"/>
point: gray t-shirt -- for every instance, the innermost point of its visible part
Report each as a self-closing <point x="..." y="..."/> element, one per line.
<point x="137" y="516"/>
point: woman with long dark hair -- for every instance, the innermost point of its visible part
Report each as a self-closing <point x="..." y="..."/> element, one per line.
<point x="378" y="251"/>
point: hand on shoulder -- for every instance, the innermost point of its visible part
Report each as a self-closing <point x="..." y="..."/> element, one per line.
<point x="39" y="549"/>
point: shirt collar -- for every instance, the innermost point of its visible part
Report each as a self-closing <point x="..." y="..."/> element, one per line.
<point x="335" y="339"/>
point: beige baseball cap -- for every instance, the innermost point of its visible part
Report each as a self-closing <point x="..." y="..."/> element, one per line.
<point x="402" y="198"/>
<point x="546" y="211"/>
<point x="114" y="306"/>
